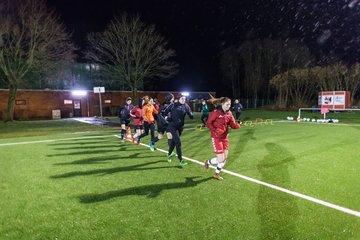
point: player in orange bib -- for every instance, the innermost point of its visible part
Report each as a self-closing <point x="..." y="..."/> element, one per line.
<point x="148" y="111"/>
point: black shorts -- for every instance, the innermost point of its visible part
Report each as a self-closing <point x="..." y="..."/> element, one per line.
<point x="125" y="121"/>
<point x="141" y="127"/>
<point x="161" y="129"/>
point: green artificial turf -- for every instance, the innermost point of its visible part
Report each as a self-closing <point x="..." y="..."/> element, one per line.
<point x="77" y="181"/>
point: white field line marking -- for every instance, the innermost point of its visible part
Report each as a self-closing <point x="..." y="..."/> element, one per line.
<point x="52" y="140"/>
<point x="315" y="200"/>
<point x="296" y="194"/>
<point x="323" y="124"/>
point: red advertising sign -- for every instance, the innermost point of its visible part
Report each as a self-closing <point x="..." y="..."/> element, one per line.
<point x="334" y="99"/>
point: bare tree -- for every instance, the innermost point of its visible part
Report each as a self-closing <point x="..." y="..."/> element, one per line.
<point x="332" y="77"/>
<point x="230" y="65"/>
<point x="132" y="51"/>
<point x="31" y="39"/>
<point x="251" y="56"/>
<point x="296" y="87"/>
<point x="353" y="81"/>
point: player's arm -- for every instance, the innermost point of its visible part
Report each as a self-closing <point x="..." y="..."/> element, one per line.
<point x="233" y="124"/>
<point x="144" y="112"/>
<point x="210" y="121"/>
<point x="155" y="111"/>
<point x="189" y="112"/>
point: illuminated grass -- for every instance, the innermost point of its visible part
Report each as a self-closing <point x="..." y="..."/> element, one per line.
<point x="99" y="188"/>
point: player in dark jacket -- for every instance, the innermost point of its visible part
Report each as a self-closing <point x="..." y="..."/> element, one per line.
<point x="176" y="126"/>
<point x="162" y="121"/>
<point x="237" y="107"/>
<point x="124" y="115"/>
<point x="204" y="112"/>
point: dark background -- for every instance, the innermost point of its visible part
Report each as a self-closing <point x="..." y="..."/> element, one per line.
<point x="199" y="30"/>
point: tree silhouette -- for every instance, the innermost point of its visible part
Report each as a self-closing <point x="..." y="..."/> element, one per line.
<point x="31" y="39"/>
<point x="132" y="52"/>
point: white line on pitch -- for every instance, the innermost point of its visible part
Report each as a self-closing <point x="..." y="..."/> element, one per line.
<point x="300" y="195"/>
<point x="52" y="140"/>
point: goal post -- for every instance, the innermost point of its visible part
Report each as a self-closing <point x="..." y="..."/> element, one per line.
<point x="356" y="117"/>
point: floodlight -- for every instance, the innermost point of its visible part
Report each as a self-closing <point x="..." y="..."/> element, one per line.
<point x="79" y="93"/>
<point x="186" y="94"/>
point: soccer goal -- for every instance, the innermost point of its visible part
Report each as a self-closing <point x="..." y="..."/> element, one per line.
<point x="326" y="115"/>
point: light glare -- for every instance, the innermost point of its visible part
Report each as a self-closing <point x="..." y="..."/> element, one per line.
<point x="79" y="93"/>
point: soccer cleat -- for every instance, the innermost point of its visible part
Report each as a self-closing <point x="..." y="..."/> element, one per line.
<point x="122" y="140"/>
<point x="183" y="163"/>
<point x="217" y="176"/>
<point x="152" y="147"/>
<point x="168" y="158"/>
<point x="206" y="165"/>
<point x="138" y="141"/>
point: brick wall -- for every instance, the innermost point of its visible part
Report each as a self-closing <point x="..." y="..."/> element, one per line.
<point x="38" y="104"/>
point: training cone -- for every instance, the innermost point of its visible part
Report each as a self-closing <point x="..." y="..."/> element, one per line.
<point x="128" y="134"/>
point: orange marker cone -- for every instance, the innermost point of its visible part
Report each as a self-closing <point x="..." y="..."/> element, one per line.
<point x="128" y="135"/>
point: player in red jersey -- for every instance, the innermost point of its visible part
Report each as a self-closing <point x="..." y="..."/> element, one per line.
<point x="218" y="122"/>
<point x="136" y="114"/>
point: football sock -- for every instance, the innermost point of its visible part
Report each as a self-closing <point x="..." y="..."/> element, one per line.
<point x="213" y="161"/>
<point x="123" y="131"/>
<point x="219" y="167"/>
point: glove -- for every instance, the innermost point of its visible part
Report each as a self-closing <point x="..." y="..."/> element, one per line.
<point x="219" y="131"/>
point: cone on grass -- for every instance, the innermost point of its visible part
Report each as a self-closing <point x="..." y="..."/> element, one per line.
<point x="128" y="134"/>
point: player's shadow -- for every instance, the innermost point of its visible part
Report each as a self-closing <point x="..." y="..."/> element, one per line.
<point x="86" y="147"/>
<point x="87" y="152"/>
<point x="103" y="171"/>
<point x="149" y="191"/>
<point x="102" y="160"/>
<point x="278" y="211"/>
<point x="79" y="142"/>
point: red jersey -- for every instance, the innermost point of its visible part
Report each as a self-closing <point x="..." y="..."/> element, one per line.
<point x="136" y="114"/>
<point x="219" y="121"/>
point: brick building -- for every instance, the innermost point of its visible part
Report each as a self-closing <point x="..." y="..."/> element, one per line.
<point x="39" y="104"/>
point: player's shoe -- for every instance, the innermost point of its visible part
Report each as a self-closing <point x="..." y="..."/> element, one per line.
<point x="206" y="165"/>
<point x="217" y="176"/>
<point x="183" y="163"/>
<point x="168" y="158"/>
<point x="152" y="147"/>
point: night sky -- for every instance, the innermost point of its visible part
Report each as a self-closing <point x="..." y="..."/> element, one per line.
<point x="199" y="29"/>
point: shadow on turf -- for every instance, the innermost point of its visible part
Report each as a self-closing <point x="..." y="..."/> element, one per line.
<point x="278" y="211"/>
<point x="104" y="171"/>
<point x="87" y="152"/>
<point x="241" y="143"/>
<point x="86" y="147"/>
<point x="78" y="142"/>
<point x="149" y="191"/>
<point x="101" y="160"/>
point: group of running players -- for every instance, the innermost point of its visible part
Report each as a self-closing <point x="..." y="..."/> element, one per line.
<point x="170" y="117"/>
